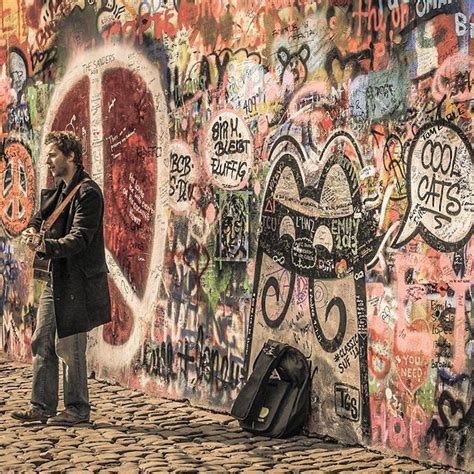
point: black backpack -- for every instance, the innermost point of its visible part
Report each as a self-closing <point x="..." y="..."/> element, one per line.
<point x="275" y="406"/>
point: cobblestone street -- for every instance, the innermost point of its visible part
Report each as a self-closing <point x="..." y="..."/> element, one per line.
<point x="133" y="432"/>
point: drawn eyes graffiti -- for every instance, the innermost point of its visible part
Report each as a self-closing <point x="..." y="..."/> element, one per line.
<point x="319" y="233"/>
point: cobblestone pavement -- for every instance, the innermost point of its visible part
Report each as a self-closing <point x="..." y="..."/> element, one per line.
<point x="133" y="432"/>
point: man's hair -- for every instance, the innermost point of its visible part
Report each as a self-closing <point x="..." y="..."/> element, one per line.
<point x="66" y="142"/>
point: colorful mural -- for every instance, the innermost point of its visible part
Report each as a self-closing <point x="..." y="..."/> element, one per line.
<point x="300" y="170"/>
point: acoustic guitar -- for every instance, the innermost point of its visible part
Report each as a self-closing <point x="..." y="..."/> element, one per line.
<point x="41" y="266"/>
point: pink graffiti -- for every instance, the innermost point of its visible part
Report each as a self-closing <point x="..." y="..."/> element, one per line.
<point x="401" y="433"/>
<point x="459" y="285"/>
<point x="7" y="94"/>
<point x="455" y="79"/>
<point x="437" y="267"/>
<point x="413" y="350"/>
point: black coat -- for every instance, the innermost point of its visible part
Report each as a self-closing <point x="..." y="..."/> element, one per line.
<point x="75" y="244"/>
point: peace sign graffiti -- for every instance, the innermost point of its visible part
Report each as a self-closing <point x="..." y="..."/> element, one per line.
<point x="17" y="187"/>
<point x="112" y="99"/>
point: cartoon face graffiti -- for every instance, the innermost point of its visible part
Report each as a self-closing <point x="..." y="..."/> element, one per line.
<point x="320" y="233"/>
<point x="18" y="71"/>
<point x="233" y="230"/>
<point x="294" y="67"/>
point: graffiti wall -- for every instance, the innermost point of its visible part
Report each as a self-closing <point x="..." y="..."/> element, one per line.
<point x="300" y="170"/>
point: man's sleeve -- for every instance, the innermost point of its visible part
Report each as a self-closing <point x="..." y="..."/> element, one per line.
<point x="84" y="226"/>
<point x="35" y="221"/>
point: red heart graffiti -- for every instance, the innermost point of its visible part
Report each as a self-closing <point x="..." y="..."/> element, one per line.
<point x="413" y="351"/>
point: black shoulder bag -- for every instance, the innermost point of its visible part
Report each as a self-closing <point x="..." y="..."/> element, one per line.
<point x="275" y="406"/>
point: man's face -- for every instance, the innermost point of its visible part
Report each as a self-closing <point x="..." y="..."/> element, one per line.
<point x="232" y="234"/>
<point x="59" y="164"/>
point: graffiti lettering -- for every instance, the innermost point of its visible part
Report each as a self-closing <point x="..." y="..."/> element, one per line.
<point x="463" y="25"/>
<point x="423" y="7"/>
<point x="347" y="401"/>
<point x="229" y="151"/>
<point x="440" y="170"/>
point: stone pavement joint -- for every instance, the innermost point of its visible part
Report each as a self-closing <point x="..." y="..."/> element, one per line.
<point x="134" y="432"/>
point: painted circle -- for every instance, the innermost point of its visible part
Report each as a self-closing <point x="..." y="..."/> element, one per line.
<point x="228" y="151"/>
<point x="17" y="189"/>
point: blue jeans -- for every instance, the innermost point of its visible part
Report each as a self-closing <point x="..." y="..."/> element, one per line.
<point x="47" y="349"/>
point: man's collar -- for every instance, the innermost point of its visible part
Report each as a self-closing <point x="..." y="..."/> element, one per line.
<point x="79" y="175"/>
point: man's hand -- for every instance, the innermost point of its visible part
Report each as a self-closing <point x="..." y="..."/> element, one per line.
<point x="32" y="238"/>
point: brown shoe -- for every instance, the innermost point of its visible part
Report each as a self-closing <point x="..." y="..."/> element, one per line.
<point x="66" y="418"/>
<point x="30" y="416"/>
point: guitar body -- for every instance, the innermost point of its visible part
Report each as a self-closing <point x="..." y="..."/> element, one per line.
<point x="41" y="266"/>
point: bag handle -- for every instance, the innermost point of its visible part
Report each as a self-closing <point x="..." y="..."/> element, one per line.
<point x="264" y="365"/>
<point x="57" y="212"/>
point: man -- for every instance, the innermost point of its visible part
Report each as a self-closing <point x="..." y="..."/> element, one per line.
<point x="76" y="297"/>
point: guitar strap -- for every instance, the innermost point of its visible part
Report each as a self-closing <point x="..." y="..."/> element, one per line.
<point x="42" y="267"/>
<point x="49" y="222"/>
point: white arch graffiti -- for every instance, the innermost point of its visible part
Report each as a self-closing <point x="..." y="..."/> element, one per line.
<point x="93" y="65"/>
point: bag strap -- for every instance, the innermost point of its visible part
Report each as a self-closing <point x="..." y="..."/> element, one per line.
<point x="57" y="212"/>
<point x="265" y="363"/>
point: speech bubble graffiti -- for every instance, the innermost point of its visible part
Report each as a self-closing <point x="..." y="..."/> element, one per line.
<point x="440" y="182"/>
<point x="229" y="151"/>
